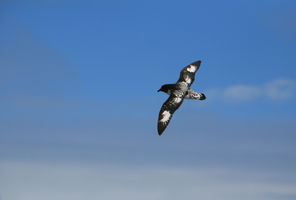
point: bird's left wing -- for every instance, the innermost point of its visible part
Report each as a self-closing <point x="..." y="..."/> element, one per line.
<point x="168" y="108"/>
<point x="187" y="74"/>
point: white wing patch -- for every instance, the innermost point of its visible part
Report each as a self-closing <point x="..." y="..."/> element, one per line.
<point x="188" y="79"/>
<point x="191" y="69"/>
<point x="177" y="100"/>
<point x="165" y="116"/>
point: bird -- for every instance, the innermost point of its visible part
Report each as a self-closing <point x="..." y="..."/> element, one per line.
<point x="178" y="92"/>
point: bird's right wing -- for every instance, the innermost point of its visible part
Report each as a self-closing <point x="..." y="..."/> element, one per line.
<point x="168" y="108"/>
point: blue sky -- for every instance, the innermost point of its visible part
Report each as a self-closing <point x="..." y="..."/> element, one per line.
<point x="79" y="104"/>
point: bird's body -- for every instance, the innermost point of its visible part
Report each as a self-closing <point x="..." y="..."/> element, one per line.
<point x="178" y="92"/>
<point x="191" y="94"/>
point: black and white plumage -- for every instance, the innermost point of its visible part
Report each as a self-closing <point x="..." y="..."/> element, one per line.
<point x="178" y="92"/>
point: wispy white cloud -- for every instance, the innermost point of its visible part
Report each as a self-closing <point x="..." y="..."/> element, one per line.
<point x="278" y="89"/>
<point x="241" y="92"/>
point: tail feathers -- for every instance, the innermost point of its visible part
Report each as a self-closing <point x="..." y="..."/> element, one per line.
<point x="195" y="95"/>
<point x="202" y="96"/>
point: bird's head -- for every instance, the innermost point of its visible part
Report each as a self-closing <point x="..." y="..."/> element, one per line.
<point x="165" y="88"/>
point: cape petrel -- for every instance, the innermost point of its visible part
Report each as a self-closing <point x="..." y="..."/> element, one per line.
<point x="178" y="92"/>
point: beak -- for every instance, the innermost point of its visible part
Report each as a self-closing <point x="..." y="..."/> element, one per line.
<point x="158" y="90"/>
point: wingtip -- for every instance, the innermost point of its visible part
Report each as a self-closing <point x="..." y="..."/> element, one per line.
<point x="197" y="63"/>
<point x="160" y="131"/>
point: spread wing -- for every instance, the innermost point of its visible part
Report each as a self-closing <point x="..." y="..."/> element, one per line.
<point x="175" y="100"/>
<point x="187" y="74"/>
<point x="168" y="108"/>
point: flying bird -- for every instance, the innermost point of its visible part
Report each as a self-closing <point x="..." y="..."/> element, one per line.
<point x="178" y="92"/>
